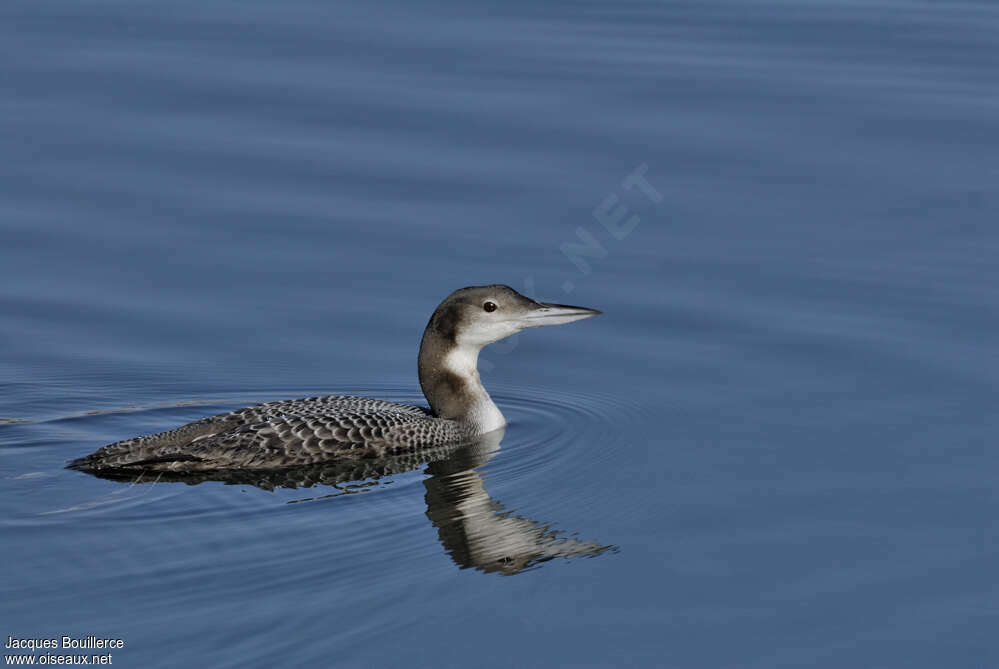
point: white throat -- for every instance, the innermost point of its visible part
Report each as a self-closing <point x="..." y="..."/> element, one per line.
<point x="481" y="412"/>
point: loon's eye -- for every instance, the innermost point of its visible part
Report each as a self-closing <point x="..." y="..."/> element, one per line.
<point x="489" y="306"/>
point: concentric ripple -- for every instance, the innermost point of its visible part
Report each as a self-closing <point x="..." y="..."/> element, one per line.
<point x="567" y="434"/>
<point x="502" y="507"/>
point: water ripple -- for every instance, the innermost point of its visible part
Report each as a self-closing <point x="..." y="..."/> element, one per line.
<point x="552" y="436"/>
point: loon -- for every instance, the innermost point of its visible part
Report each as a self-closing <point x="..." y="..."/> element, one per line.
<point x="312" y="430"/>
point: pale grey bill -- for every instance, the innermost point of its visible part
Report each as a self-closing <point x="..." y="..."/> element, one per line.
<point x="557" y="314"/>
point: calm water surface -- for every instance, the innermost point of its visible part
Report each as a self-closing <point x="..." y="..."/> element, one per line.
<point x="775" y="449"/>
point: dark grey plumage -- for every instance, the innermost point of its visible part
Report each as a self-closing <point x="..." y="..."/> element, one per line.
<point x="283" y="434"/>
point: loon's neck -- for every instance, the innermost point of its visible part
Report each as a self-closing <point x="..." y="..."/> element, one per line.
<point x="450" y="380"/>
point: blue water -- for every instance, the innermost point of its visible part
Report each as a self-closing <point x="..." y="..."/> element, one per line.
<point x="782" y="429"/>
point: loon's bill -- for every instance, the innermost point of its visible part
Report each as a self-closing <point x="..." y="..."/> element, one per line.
<point x="313" y="430"/>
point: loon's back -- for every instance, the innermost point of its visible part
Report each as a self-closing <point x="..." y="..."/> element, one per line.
<point x="283" y="434"/>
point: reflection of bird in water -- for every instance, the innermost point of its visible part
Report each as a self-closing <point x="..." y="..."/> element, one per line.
<point x="476" y="531"/>
<point x="325" y="429"/>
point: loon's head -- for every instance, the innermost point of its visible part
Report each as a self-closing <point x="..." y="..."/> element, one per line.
<point x="476" y="316"/>
<point x="462" y="324"/>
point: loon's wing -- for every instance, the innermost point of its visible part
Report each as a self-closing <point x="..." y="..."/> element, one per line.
<point x="281" y="434"/>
